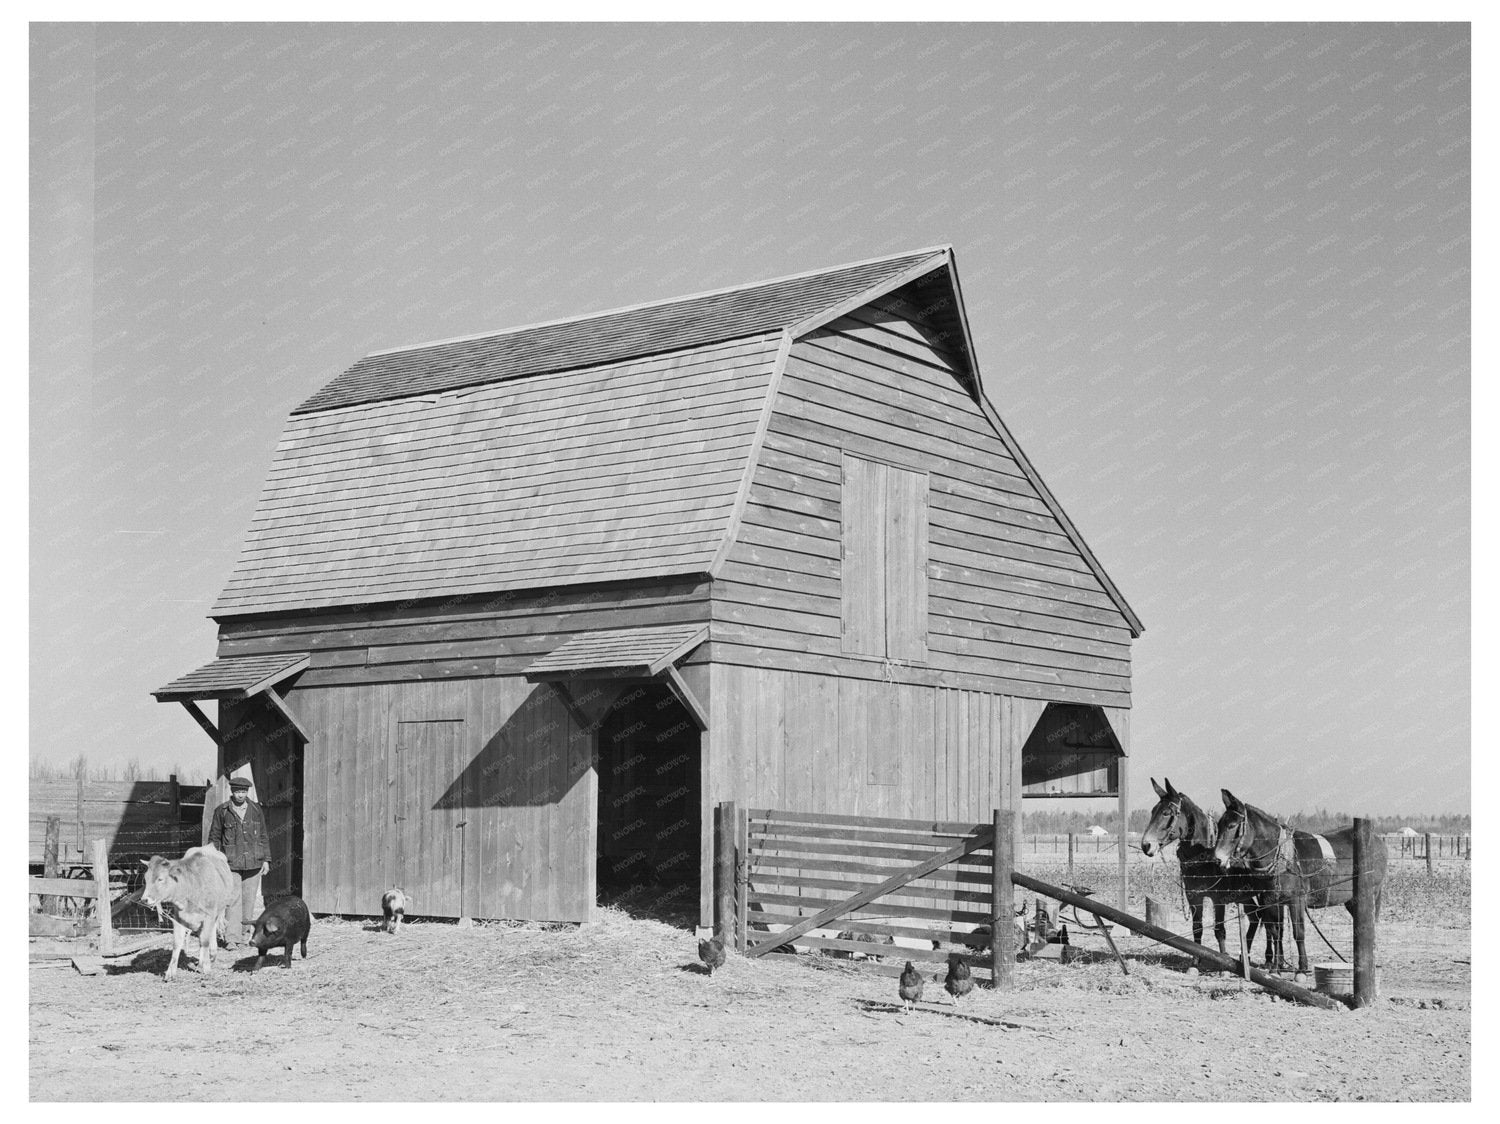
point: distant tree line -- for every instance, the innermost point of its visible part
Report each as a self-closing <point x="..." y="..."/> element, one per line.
<point x="1061" y="821"/>
<point x="80" y="766"/>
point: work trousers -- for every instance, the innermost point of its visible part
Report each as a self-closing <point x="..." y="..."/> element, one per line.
<point x="239" y="918"/>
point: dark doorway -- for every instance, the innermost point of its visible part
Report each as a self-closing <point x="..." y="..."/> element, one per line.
<point x="650" y="784"/>
<point x="278" y="780"/>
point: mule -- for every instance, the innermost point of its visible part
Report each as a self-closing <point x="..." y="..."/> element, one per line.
<point x="1298" y="869"/>
<point x="1176" y="819"/>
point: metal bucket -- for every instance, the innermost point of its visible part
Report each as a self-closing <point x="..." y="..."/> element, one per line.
<point x="1338" y="979"/>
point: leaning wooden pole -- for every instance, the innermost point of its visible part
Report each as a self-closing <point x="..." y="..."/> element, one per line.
<point x="1181" y="944"/>
<point x="1366" y="990"/>
<point x="724" y="824"/>
<point x="1002" y="904"/>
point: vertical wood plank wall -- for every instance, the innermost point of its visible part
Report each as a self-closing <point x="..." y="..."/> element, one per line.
<point x="502" y="754"/>
<point x="802" y="741"/>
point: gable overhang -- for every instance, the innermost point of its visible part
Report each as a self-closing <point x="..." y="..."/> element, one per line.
<point x="937" y="260"/>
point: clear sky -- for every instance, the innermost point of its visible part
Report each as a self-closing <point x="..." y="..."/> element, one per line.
<point x="1218" y="279"/>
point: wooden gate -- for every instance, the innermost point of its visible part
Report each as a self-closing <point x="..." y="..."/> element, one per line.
<point x="884" y="889"/>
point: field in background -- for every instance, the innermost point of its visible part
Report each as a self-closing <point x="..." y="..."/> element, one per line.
<point x="1442" y="898"/>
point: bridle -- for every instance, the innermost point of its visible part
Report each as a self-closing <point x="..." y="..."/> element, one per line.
<point x="1171" y="833"/>
<point x="1277" y="860"/>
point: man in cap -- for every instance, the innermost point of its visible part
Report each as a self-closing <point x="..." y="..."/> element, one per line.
<point x="239" y="830"/>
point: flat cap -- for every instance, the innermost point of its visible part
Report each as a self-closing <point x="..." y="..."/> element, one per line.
<point x="239" y="784"/>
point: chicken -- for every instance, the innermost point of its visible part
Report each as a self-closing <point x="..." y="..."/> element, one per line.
<point x="959" y="981"/>
<point x="711" y="952"/>
<point x="911" y="986"/>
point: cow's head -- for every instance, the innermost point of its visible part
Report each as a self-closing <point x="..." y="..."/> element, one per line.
<point x="161" y="880"/>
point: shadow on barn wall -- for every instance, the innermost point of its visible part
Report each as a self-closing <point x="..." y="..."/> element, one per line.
<point x="534" y="759"/>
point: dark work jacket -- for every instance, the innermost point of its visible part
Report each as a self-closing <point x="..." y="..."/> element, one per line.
<point x="246" y="843"/>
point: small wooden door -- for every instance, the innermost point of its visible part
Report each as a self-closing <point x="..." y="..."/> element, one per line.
<point x="418" y="848"/>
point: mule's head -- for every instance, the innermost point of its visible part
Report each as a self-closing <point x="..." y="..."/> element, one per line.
<point x="1236" y="832"/>
<point x="1168" y="819"/>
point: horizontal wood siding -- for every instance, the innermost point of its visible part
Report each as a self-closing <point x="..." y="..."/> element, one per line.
<point x="460" y="638"/>
<point x="1011" y="604"/>
<point x="394" y="769"/>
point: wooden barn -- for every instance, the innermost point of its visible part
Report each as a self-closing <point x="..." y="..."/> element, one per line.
<point x="516" y="610"/>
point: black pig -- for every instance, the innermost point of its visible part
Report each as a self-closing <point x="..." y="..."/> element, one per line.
<point x="282" y="925"/>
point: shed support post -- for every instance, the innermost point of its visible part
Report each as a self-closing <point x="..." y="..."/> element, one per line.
<point x="1002" y="902"/>
<point x="1365" y="990"/>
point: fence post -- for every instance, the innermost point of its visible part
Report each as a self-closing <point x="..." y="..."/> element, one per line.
<point x="176" y="798"/>
<point x="81" y="841"/>
<point x="1428" y="849"/>
<point x="1365" y="990"/>
<point x="1071" y="839"/>
<point x="724" y="824"/>
<point x="741" y="877"/>
<point x="101" y="899"/>
<point x="49" y="859"/>
<point x="1002" y="903"/>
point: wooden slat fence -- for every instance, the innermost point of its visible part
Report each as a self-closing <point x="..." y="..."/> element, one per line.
<point x="799" y="864"/>
<point x="136" y="818"/>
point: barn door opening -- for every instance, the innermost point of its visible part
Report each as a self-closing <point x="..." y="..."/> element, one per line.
<point x="650" y="784"/>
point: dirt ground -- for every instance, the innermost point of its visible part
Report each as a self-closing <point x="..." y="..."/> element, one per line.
<point x="621" y="1010"/>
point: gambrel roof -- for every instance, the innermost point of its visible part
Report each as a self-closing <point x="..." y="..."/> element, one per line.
<point x="613" y="446"/>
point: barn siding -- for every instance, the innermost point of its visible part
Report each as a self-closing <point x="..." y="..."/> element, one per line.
<point x="499" y="635"/>
<point x="1013" y="606"/>
<point x="814" y="743"/>
<point x="502" y="755"/>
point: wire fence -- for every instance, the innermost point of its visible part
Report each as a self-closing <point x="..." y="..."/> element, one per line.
<point x="1397" y="845"/>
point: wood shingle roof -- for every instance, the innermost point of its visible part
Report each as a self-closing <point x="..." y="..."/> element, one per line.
<point x="607" y="447"/>
<point x="748" y="310"/>
<point x="624" y="470"/>
<point x="232" y="677"/>
<point x="614" y="446"/>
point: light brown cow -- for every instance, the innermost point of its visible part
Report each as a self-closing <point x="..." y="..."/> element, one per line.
<point x="193" y="891"/>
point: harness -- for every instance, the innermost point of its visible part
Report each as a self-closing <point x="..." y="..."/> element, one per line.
<point x="1283" y="857"/>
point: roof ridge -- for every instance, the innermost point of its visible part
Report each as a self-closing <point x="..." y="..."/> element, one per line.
<point x="639" y="305"/>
